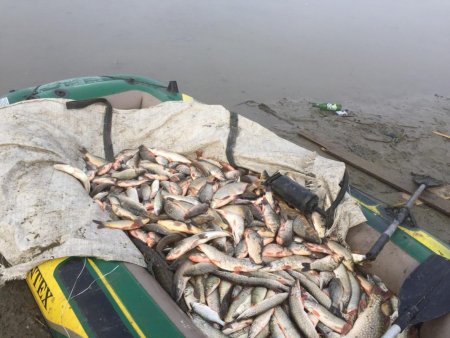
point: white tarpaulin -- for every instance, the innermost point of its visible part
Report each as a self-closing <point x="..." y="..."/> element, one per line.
<point x="47" y="214"/>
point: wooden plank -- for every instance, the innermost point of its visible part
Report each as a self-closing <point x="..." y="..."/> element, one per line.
<point x="388" y="176"/>
<point x="441" y="134"/>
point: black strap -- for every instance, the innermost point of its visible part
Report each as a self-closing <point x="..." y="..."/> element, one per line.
<point x="107" y="122"/>
<point x="34" y="93"/>
<point x="232" y="136"/>
<point x="329" y="213"/>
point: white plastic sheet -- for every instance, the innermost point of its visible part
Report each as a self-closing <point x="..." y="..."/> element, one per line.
<point x="47" y="214"/>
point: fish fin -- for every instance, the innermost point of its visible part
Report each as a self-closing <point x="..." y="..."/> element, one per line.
<point x="100" y="224"/>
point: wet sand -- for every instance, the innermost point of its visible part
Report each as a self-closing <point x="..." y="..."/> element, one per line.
<point x="384" y="61"/>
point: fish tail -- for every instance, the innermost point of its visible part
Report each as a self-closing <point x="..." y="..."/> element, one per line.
<point x="334" y="310"/>
<point x="347" y="327"/>
<point x="306" y="267"/>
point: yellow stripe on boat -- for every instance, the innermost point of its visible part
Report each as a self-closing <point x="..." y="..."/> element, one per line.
<point x="51" y="300"/>
<point x="371" y="207"/>
<point x="186" y="97"/>
<point x="429" y="241"/>
<point x="116" y="299"/>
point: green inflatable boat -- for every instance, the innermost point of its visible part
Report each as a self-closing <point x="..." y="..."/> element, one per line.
<point x="129" y="302"/>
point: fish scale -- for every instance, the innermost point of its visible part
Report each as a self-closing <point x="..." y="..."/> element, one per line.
<point x="166" y="199"/>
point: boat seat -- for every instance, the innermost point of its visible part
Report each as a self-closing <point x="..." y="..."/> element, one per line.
<point x="132" y="99"/>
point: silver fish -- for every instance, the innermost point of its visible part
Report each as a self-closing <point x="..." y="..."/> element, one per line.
<point x="265" y="305"/>
<point x="176" y="209"/>
<point x="155" y="168"/>
<point x="352" y="307"/>
<point x="171" y="156"/>
<point x="304" y="229"/>
<point x="236" y="223"/>
<point x="286" y="280"/>
<point x="336" y="291"/>
<point x="191" y="242"/>
<point x="342" y="275"/>
<point x="172" y="187"/>
<point x="199" y="289"/>
<point x="243" y="333"/>
<point x="212" y="283"/>
<point x="123" y="213"/>
<point x="196" y="210"/>
<point x="162" y="160"/>
<point x="242" y="298"/>
<point x="128" y="174"/>
<point x="285" y="323"/>
<point x="189" y="296"/>
<point x="318" y="223"/>
<point x="327" y="263"/>
<point x="312" y="288"/>
<point x="206" y="193"/>
<point x="133" y="194"/>
<point x="225" y="262"/>
<point x="232" y="175"/>
<point x="258" y="294"/>
<point x="131" y="205"/>
<point x="371" y="323"/>
<point x="227" y="193"/>
<point x="285" y="233"/>
<point x="213" y="170"/>
<point x="324" y="278"/>
<point x="265" y="332"/>
<point x="236" y="326"/>
<point x="251" y="281"/>
<point x="254" y="245"/>
<point x="158" y="203"/>
<point x="290" y="262"/>
<point x="276" y="250"/>
<point x="299" y="249"/>
<point x="200" y="269"/>
<point x="298" y="312"/>
<point x="224" y="287"/>
<point x="275" y="329"/>
<point x="213" y="300"/>
<point x="75" y="172"/>
<point x="176" y="226"/>
<point x="95" y="160"/>
<point x="325" y="316"/>
<point x="270" y="217"/>
<point x="260" y="322"/>
<point x="145" y="154"/>
<point x="146" y="192"/>
<point x="207" y="313"/>
<point x="180" y="281"/>
<point x="188" y="199"/>
<point x="241" y="249"/>
<point x="207" y="328"/>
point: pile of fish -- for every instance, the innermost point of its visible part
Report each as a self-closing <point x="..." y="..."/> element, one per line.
<point x="235" y="257"/>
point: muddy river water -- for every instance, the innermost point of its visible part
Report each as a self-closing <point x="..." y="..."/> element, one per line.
<point x="388" y="62"/>
<point x="229" y="51"/>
